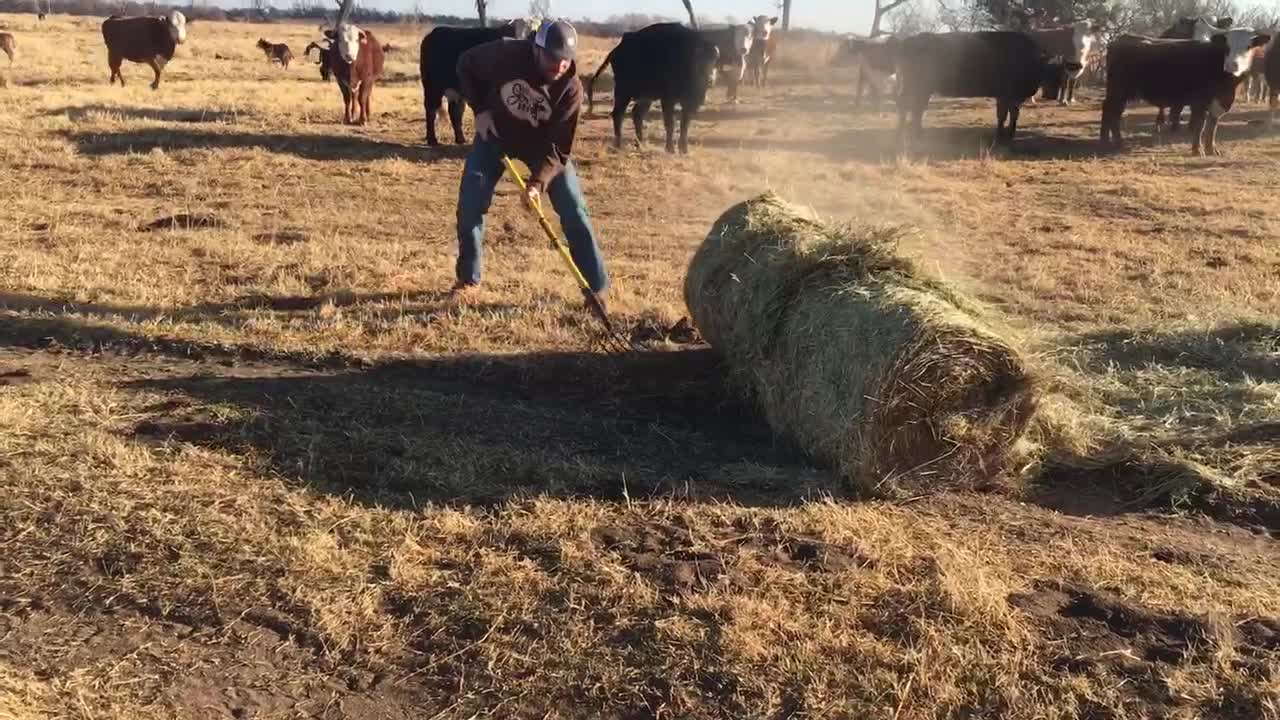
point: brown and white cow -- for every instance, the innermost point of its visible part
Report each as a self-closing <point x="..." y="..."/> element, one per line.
<point x="356" y="60"/>
<point x="148" y="40"/>
<point x="8" y="46"/>
<point x="1177" y="73"/>
<point x="734" y="45"/>
<point x="1073" y="44"/>
<point x="1255" y="80"/>
<point x="876" y="60"/>
<point x="764" y="45"/>
<point x="276" y="52"/>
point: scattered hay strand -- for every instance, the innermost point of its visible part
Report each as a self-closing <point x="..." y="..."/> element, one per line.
<point x="867" y="365"/>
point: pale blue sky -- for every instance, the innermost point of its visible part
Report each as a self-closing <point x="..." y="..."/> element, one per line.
<point x="838" y="15"/>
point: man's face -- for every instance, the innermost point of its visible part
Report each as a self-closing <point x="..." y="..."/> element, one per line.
<point x="551" y="67"/>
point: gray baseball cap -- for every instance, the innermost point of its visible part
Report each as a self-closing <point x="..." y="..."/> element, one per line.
<point x="558" y="38"/>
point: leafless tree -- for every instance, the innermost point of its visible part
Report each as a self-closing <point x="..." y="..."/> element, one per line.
<point x="688" y="5"/>
<point x="882" y="8"/>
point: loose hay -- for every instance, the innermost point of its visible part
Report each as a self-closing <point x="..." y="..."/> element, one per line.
<point x="885" y="374"/>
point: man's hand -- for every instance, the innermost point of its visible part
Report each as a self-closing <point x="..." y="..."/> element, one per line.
<point x="532" y="195"/>
<point x="484" y="126"/>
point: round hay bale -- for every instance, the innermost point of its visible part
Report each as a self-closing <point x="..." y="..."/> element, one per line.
<point x="885" y="374"/>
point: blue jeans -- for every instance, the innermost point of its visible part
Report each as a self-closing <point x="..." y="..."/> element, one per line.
<point x="480" y="175"/>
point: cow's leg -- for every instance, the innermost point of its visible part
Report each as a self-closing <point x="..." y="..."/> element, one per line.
<point x="637" y="118"/>
<point x="1197" y="128"/>
<point x="686" y="115"/>
<point x="764" y="73"/>
<point x="1002" y="115"/>
<point x="1014" y="110"/>
<point x="1175" y="118"/>
<point x="457" y="107"/>
<point x="366" y="96"/>
<point x="1273" y="102"/>
<point x="1160" y="118"/>
<point x="156" y="66"/>
<point x="346" y="102"/>
<point x="113" y="62"/>
<point x="620" y="100"/>
<point x="669" y="124"/>
<point x="431" y="107"/>
<point x="1213" y="114"/>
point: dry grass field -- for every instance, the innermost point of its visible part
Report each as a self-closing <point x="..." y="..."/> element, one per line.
<point x="262" y="466"/>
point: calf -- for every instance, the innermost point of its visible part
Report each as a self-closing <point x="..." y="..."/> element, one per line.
<point x="1073" y="44"/>
<point x="322" y="58"/>
<point x="1255" y="80"/>
<point x="667" y="62"/>
<point x="733" y="43"/>
<point x="877" y="60"/>
<point x="438" y="63"/>
<point x="355" y="60"/>
<point x="276" y="52"/>
<point x="1007" y="66"/>
<point x="1174" y="73"/>
<point x="149" y="40"/>
<point x="8" y="45"/>
<point x="764" y="45"/>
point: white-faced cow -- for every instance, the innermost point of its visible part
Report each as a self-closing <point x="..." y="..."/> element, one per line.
<point x="438" y="66"/>
<point x="733" y="43"/>
<point x="356" y="60"/>
<point x="876" y="60"/>
<point x="764" y="45"/>
<point x="8" y="46"/>
<point x="1174" y="73"/>
<point x="149" y="40"/>
<point x="1007" y="66"/>
<point x="1073" y="44"/>
<point x="667" y="62"/>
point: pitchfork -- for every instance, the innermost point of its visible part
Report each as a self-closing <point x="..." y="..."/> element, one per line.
<point x="613" y="341"/>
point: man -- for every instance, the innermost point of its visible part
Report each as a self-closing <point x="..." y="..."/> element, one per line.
<point x="526" y="97"/>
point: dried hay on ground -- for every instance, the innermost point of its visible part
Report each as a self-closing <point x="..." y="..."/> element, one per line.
<point x="889" y="376"/>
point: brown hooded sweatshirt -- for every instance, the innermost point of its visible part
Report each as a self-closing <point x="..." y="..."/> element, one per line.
<point x="535" y="121"/>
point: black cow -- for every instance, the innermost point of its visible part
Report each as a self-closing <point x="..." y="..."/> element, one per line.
<point x="438" y="63"/>
<point x="667" y="62"/>
<point x="1174" y="73"/>
<point x="1200" y="28"/>
<point x="1007" y="66"/>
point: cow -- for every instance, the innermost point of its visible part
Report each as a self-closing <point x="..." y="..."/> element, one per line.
<point x="1008" y="66"/>
<point x="876" y="59"/>
<point x="667" y="62"/>
<point x="438" y="63"/>
<point x="1073" y="44"/>
<point x="733" y="43"/>
<point x="1199" y="28"/>
<point x="149" y="40"/>
<point x="276" y="52"/>
<point x="764" y="45"/>
<point x="1255" y="80"/>
<point x="355" y="60"/>
<point x="8" y="45"/>
<point x="322" y="58"/>
<point x="1271" y="73"/>
<point x="1174" y="73"/>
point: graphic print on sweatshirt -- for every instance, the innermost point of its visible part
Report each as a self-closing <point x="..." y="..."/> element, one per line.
<point x="524" y="102"/>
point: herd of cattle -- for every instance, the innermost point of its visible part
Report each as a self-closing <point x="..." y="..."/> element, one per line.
<point x="1199" y="63"/>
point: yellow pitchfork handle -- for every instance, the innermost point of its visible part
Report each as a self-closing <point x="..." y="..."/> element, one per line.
<point x="552" y="235"/>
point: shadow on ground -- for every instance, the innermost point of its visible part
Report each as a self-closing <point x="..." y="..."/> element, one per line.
<point x="456" y="429"/>
<point x="311" y="147"/>
<point x="80" y="113"/>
